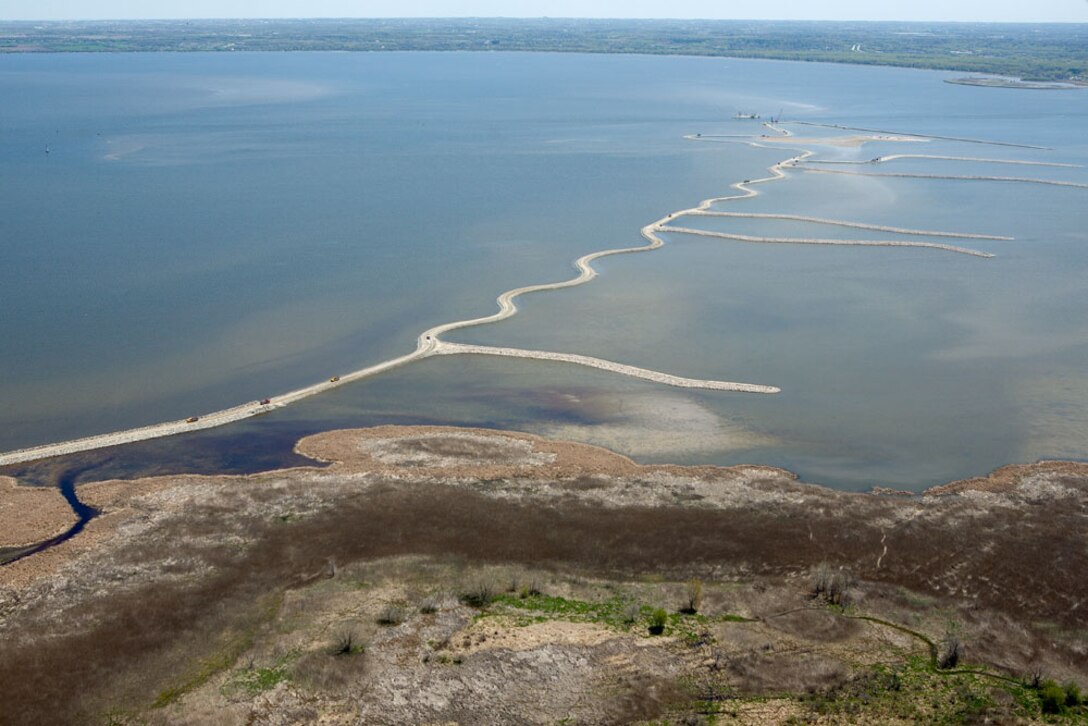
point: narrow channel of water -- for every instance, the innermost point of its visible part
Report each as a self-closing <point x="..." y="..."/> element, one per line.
<point x="84" y="514"/>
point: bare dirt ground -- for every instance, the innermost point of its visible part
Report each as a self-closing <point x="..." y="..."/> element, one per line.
<point x="436" y="575"/>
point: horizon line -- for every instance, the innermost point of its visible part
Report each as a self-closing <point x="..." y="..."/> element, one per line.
<point x="546" y="17"/>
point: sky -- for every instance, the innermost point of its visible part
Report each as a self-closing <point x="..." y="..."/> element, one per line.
<point x="932" y="10"/>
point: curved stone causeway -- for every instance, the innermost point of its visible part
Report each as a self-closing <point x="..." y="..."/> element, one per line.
<point x="816" y="241"/>
<point x="843" y="223"/>
<point x="444" y="348"/>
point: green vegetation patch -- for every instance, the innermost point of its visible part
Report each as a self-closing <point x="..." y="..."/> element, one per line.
<point x="258" y="680"/>
<point x="1062" y="700"/>
<point x="204" y="671"/>
<point x="610" y="612"/>
<point x="913" y="691"/>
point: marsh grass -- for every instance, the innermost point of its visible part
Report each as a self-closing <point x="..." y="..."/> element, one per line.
<point x="479" y="594"/>
<point x="133" y="641"/>
<point x="252" y="681"/>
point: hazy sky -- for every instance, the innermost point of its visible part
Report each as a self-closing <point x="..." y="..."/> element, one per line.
<point x="978" y="10"/>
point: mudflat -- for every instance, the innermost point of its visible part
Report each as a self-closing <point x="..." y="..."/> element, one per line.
<point x="29" y="515"/>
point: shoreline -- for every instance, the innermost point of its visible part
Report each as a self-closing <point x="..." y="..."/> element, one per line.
<point x="352" y="452"/>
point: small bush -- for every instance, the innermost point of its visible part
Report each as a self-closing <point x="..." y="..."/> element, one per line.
<point x="429" y="606"/>
<point x="1052" y="696"/>
<point x="951" y="651"/>
<point x="693" y="599"/>
<point x="658" y="619"/>
<point x="1034" y="679"/>
<point x="479" y="595"/>
<point x="1073" y="697"/>
<point x="832" y="584"/>
<point x="391" y="615"/>
<point x="631" y="612"/>
<point x="347" y="644"/>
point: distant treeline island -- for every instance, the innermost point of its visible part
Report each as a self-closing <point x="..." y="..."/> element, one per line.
<point x="1030" y="52"/>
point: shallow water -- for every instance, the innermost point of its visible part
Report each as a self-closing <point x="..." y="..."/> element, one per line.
<point x="211" y="229"/>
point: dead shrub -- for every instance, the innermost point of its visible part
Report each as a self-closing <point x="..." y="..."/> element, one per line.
<point x="532" y="589"/>
<point x="391" y="614"/>
<point x="832" y="584"/>
<point x="347" y="643"/>
<point x="951" y="651"/>
<point x="479" y="594"/>
<point x="693" y="597"/>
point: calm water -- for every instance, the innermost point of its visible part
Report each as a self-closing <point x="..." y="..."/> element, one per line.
<point x="211" y="229"/>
